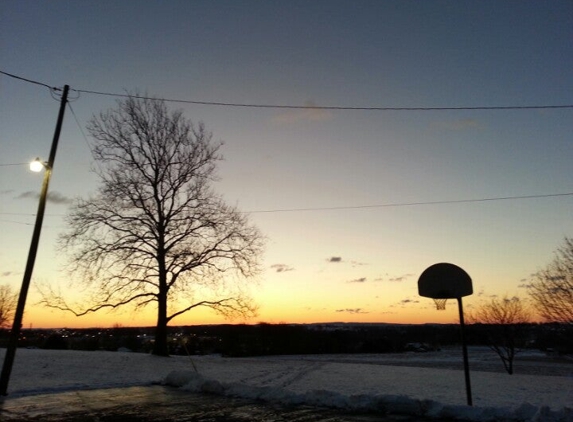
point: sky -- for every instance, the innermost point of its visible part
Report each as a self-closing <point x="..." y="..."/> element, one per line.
<point x="344" y="197"/>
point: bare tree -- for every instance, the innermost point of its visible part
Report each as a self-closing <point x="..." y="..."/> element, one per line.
<point x="155" y="232"/>
<point x="504" y="321"/>
<point x="552" y="288"/>
<point x="8" y="301"/>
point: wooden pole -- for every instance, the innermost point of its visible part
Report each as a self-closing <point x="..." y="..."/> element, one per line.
<point x="18" y="316"/>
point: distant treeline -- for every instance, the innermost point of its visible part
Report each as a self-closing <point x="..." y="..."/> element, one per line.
<point x="273" y="339"/>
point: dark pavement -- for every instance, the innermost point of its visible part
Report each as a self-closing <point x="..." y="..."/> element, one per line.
<point x="159" y="403"/>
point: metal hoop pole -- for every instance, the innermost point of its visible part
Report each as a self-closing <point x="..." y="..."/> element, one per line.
<point x="465" y="351"/>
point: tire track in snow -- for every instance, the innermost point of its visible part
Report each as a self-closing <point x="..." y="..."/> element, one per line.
<point x="283" y="375"/>
<point x="302" y="372"/>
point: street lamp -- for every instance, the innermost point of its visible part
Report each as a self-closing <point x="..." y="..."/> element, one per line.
<point x="37" y="166"/>
<point x="19" y="314"/>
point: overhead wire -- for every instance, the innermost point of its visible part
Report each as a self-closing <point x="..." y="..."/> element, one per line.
<point x="318" y="107"/>
<point x="31" y="214"/>
<point x="298" y="107"/>
<point x="29" y="80"/>
<point x="16" y="222"/>
<point x="388" y="205"/>
<point x="411" y="204"/>
<point x="85" y="137"/>
<point x="80" y="128"/>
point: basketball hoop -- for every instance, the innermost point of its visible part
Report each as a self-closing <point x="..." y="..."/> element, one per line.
<point x="440" y="304"/>
<point x="445" y="281"/>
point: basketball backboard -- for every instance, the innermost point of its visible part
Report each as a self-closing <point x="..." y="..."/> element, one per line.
<point x="444" y="281"/>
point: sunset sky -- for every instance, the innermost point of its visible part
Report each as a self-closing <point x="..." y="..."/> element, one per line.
<point x="346" y="198"/>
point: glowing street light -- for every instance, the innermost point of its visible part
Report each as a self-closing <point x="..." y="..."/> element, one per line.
<point x="37" y="166"/>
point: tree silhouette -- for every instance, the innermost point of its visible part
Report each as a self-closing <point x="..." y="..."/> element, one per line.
<point x="8" y="301"/>
<point x="155" y="232"/>
<point x="504" y="319"/>
<point x="552" y="288"/>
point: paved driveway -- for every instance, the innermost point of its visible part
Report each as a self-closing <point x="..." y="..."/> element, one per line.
<point x="158" y="403"/>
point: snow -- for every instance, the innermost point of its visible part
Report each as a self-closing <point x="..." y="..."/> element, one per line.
<point x="389" y="383"/>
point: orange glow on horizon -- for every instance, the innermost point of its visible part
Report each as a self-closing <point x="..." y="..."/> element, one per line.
<point x="37" y="317"/>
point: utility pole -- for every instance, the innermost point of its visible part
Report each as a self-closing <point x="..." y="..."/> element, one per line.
<point x="18" y="316"/>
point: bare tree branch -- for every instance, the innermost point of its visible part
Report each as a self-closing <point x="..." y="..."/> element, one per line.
<point x="229" y="307"/>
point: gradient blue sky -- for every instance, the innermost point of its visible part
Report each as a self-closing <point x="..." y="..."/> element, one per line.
<point x="330" y="53"/>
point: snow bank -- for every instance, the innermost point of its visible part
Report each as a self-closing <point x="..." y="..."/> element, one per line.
<point x="380" y="403"/>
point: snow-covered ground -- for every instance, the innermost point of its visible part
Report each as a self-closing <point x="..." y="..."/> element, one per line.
<point x="420" y="384"/>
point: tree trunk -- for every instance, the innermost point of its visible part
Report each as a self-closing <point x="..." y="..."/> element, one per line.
<point x="160" y="347"/>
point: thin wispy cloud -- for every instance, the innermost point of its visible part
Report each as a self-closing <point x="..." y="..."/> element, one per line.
<point x="281" y="268"/>
<point x="58" y="198"/>
<point x="458" y="125"/>
<point x="400" y="278"/>
<point x="28" y="195"/>
<point x="394" y="279"/>
<point x="358" y="264"/>
<point x="407" y="301"/>
<point x="6" y="273"/>
<point x="310" y="308"/>
<point x="6" y="191"/>
<point x="53" y="197"/>
<point x="357" y="280"/>
<point x="352" y="311"/>
<point x="335" y="259"/>
<point x="304" y="114"/>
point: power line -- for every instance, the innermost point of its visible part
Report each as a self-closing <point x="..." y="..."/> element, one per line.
<point x="298" y="107"/>
<point x="13" y="164"/>
<point x="31" y="215"/>
<point x="29" y="80"/>
<point x="16" y="222"/>
<point x="412" y="204"/>
<point x="84" y="136"/>
<point x="389" y="205"/>
<point x="317" y="107"/>
<point x="80" y="128"/>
